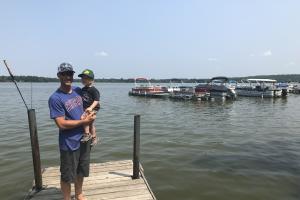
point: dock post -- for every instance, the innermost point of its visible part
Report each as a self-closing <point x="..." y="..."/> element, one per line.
<point x="136" y="148"/>
<point x="35" y="150"/>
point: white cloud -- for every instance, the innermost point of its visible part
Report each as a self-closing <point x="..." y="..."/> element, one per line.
<point x="267" y="53"/>
<point x="252" y="55"/>
<point x="101" y="54"/>
<point x="212" y="59"/>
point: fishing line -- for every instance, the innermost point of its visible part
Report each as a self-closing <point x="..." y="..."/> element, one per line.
<point x="13" y="80"/>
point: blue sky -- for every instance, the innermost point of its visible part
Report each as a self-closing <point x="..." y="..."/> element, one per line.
<point x="154" y="38"/>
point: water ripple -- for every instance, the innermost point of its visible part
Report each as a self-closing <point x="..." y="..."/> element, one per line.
<point x="247" y="149"/>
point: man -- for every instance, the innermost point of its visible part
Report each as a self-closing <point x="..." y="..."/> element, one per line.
<point x="66" y="108"/>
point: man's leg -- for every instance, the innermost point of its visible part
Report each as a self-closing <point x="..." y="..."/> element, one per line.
<point x="78" y="188"/>
<point x="66" y="190"/>
<point x="83" y="169"/>
<point x="68" y="162"/>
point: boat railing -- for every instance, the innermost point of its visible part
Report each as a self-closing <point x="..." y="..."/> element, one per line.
<point x="141" y="84"/>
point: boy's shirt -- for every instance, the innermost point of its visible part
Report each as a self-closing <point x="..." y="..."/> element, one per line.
<point x="89" y="95"/>
<point x="71" y="107"/>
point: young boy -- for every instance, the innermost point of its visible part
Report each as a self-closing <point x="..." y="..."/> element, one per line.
<point x="91" y="103"/>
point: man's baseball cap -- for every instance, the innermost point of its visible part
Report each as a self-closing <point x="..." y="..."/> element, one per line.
<point x="87" y="72"/>
<point x="65" y="67"/>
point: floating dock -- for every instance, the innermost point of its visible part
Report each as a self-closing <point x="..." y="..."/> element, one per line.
<point x="109" y="180"/>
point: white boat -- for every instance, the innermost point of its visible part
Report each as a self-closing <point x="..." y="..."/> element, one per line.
<point x="220" y="87"/>
<point x="175" y="88"/>
<point x="284" y="87"/>
<point x="184" y="93"/>
<point x="146" y="89"/>
<point x="295" y="88"/>
<point x="258" y="88"/>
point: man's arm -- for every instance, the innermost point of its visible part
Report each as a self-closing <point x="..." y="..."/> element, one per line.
<point x="62" y="123"/>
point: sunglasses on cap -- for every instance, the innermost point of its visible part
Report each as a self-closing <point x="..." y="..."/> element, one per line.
<point x="67" y="73"/>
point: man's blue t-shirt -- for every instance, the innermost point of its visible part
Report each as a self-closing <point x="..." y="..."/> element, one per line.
<point x="70" y="106"/>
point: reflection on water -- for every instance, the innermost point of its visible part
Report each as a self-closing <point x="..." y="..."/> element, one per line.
<point x="244" y="149"/>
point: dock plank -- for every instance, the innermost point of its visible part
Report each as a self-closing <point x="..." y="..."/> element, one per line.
<point x="107" y="181"/>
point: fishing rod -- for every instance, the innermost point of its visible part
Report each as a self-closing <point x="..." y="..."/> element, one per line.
<point x="35" y="148"/>
<point x="14" y="81"/>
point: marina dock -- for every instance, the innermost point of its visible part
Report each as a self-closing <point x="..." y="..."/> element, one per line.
<point x="109" y="180"/>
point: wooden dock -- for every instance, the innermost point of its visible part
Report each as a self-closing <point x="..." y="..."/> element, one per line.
<point x="110" y="180"/>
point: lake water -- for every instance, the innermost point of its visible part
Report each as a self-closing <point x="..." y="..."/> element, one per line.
<point x="245" y="149"/>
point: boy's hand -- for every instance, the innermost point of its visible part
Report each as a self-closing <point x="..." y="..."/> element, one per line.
<point x="89" y="110"/>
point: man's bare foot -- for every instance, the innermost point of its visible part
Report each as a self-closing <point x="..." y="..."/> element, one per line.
<point x="80" y="197"/>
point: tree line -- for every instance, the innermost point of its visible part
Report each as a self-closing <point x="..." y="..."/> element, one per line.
<point x="279" y="78"/>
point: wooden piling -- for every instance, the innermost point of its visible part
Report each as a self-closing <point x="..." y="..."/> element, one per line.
<point x="136" y="148"/>
<point x="35" y="150"/>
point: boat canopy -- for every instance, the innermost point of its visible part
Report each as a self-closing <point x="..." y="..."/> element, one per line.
<point x="262" y="80"/>
<point x="221" y="78"/>
<point x="141" y="79"/>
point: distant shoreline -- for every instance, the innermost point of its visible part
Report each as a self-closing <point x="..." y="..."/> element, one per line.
<point x="279" y="78"/>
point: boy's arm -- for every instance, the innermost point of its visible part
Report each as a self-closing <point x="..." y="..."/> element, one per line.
<point x="96" y="98"/>
<point x="62" y="123"/>
<point x="94" y="104"/>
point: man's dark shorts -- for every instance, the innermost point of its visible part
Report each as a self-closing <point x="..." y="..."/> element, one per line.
<point x="75" y="163"/>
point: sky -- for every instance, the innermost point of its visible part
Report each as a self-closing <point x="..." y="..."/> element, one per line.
<point x="153" y="38"/>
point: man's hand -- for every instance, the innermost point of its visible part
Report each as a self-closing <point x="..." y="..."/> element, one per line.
<point x="62" y="123"/>
<point x="90" y="117"/>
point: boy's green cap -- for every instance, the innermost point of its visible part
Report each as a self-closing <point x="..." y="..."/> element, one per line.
<point x="87" y="72"/>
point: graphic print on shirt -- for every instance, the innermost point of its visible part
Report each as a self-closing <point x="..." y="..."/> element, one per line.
<point x="73" y="103"/>
<point x="86" y="98"/>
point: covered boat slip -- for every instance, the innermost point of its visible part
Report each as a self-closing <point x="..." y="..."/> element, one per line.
<point x="109" y="180"/>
